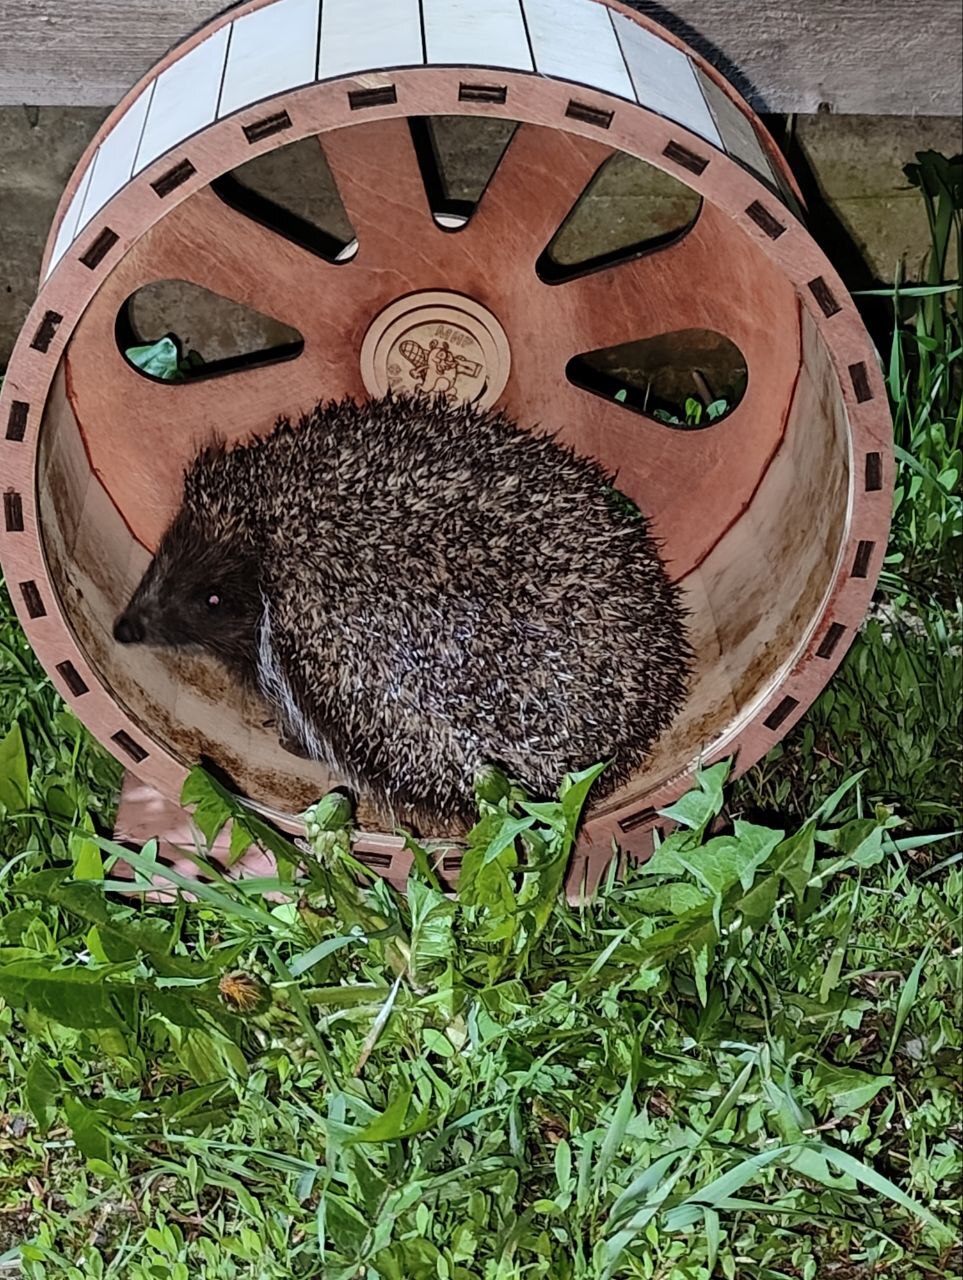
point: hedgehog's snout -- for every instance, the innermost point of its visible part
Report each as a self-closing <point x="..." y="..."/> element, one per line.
<point x="129" y="629"/>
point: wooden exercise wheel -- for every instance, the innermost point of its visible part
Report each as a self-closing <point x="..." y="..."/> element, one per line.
<point x="773" y="515"/>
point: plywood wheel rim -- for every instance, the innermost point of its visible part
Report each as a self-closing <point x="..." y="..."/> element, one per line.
<point x="77" y="267"/>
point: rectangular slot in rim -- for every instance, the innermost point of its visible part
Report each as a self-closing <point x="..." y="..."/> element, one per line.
<point x="589" y="115"/>
<point x="13" y="512"/>
<point x="874" y="473"/>
<point x="451" y="862"/>
<point x="72" y="678"/>
<point x="781" y="712"/>
<point x="31" y="598"/>
<point x="864" y="553"/>
<point x="830" y="640"/>
<point x="371" y="859"/>
<point x="17" y="422"/>
<point x="46" y="330"/>
<point x="764" y="220"/>
<point x="173" y="178"/>
<point x="860" y="380"/>
<point x="824" y="296"/>
<point x="99" y="250"/>
<point x="482" y="93"/>
<point x="129" y="747"/>
<point x="382" y="96"/>
<point x="635" y="820"/>
<point x="269" y="125"/>
<point x="687" y="159"/>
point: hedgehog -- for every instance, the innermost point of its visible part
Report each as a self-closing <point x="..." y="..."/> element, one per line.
<point x="419" y="590"/>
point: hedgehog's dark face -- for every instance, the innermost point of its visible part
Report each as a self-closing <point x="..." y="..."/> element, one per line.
<point x="198" y="594"/>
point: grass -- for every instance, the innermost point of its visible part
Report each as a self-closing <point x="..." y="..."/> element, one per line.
<point x="742" y="1061"/>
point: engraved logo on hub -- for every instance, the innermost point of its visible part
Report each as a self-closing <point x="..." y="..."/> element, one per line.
<point x="437" y="358"/>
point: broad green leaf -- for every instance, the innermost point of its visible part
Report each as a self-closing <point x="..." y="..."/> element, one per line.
<point x="574" y="792"/>
<point x="675" y="899"/>
<point x="726" y="860"/>
<point x="670" y="858"/>
<point x="41" y="1090"/>
<point x="88" y="864"/>
<point x="393" y="1123"/>
<point x="14" y="779"/>
<point x="87" y="1128"/>
<point x="756" y="906"/>
<point x="697" y="808"/>
<point x="811" y="1163"/>
<point x="75" y="997"/>
<point x="847" y="1089"/>
<point x="694" y="932"/>
<point x="793" y="859"/>
<point x="431" y="921"/>
<point x="121" y="937"/>
<point x="212" y="806"/>
<point x="437" y="1042"/>
<point x="505" y="836"/>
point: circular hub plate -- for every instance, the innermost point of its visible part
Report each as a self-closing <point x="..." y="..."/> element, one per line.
<point x="439" y="344"/>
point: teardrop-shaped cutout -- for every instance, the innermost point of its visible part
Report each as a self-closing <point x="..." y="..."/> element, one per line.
<point x="291" y="190"/>
<point x="687" y="380"/>
<point x="457" y="156"/>
<point x="628" y="208"/>
<point x="207" y="334"/>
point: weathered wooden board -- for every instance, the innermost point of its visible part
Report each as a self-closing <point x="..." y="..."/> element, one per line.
<point x="876" y="57"/>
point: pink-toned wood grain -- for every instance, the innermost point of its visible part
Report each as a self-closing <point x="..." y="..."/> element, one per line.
<point x="140" y="434"/>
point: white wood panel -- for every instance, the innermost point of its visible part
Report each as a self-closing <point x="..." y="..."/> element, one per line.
<point x="185" y="98"/>
<point x="271" y="50"/>
<point x="115" y="159"/>
<point x="575" y="40"/>
<point x="738" y="136"/>
<point x="489" y="34"/>
<point x="664" y="79"/>
<point x="363" y="35"/>
<point x="68" y="228"/>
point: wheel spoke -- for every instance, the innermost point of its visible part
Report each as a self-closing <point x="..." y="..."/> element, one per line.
<point x="376" y="172"/>
<point x="687" y="285"/>
<point x="207" y="243"/>
<point x="536" y="183"/>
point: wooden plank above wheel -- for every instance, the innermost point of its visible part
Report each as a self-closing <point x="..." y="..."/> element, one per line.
<point x="873" y="57"/>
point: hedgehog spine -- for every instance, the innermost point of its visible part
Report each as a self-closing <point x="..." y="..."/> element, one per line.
<point x="276" y="689"/>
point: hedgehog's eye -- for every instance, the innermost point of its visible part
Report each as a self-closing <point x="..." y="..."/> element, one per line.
<point x="213" y="600"/>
